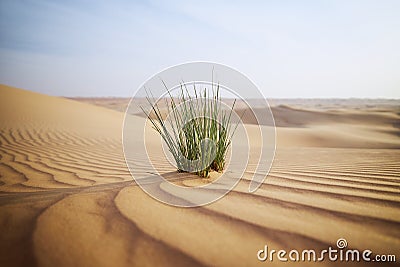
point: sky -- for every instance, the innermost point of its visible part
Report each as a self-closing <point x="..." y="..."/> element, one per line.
<point x="289" y="49"/>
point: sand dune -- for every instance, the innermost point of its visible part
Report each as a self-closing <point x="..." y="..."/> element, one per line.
<point x="348" y="123"/>
<point x="67" y="198"/>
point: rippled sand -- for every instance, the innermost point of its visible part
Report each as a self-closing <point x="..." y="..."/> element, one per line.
<point x="67" y="197"/>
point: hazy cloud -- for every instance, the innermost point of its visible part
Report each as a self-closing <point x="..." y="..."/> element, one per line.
<point x="288" y="48"/>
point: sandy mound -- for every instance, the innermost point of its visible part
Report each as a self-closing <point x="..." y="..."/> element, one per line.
<point x="67" y="198"/>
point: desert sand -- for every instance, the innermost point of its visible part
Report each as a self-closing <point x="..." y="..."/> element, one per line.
<point x="68" y="199"/>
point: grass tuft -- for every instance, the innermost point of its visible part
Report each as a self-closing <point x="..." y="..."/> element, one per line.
<point x="198" y="129"/>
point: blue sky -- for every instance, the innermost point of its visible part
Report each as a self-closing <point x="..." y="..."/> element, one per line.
<point x="307" y="49"/>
